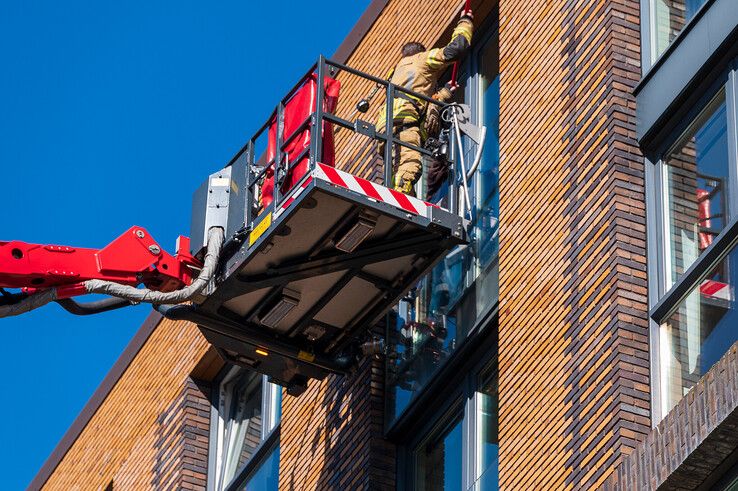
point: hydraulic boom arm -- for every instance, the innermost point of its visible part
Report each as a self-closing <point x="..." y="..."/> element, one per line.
<point x="133" y="259"/>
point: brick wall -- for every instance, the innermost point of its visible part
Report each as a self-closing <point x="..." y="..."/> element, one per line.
<point x="573" y="333"/>
<point x="153" y="402"/>
<point x="182" y="440"/>
<point x="689" y="446"/>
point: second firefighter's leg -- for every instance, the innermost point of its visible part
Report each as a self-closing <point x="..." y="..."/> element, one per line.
<point x="411" y="167"/>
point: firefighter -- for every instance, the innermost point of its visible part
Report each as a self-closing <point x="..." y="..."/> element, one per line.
<point x="418" y="70"/>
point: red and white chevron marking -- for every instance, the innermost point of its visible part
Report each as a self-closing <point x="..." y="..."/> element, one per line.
<point x="286" y="204"/>
<point x="372" y="190"/>
<point x="716" y="289"/>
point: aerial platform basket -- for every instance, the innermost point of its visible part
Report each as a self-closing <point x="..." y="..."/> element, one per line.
<point x="314" y="255"/>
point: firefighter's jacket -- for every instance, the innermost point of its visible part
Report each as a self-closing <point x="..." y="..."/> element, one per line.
<point x="420" y="73"/>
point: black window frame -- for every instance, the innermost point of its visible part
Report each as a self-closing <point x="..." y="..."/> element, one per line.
<point x="452" y="398"/>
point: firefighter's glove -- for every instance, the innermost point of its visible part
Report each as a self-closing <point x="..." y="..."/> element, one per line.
<point x="446" y="93"/>
<point x="433" y="120"/>
<point x="404" y="186"/>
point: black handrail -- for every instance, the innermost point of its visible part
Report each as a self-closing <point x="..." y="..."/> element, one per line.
<point x="314" y="122"/>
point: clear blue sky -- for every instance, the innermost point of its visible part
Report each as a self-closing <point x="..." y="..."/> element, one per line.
<point x="111" y="114"/>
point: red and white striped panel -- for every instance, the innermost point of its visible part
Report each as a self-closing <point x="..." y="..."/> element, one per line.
<point x="286" y="203"/>
<point x="716" y="289"/>
<point x="371" y="190"/>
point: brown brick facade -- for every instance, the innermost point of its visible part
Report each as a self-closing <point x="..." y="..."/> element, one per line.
<point x="573" y="335"/>
<point x="183" y="437"/>
<point x="690" y="445"/>
<point x="573" y="330"/>
<point x="124" y="440"/>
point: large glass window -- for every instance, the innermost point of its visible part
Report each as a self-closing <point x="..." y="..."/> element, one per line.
<point x="460" y="451"/>
<point x="669" y="18"/>
<point x="694" y="274"/>
<point x="247" y="413"/>
<point x="438" y="460"/>
<point x="699" y="332"/>
<point x="436" y="316"/>
<point x="266" y="476"/>
<point x="698" y="173"/>
<point x="484" y="472"/>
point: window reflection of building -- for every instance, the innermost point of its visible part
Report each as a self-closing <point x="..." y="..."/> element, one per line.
<point x="670" y="17"/>
<point x="702" y="326"/>
<point x="701" y="330"/>
<point x="460" y="452"/>
<point x="697" y="174"/>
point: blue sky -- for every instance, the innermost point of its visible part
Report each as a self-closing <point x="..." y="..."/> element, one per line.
<point x="111" y="114"/>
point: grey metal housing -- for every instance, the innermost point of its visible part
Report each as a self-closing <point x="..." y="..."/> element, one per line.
<point x="210" y="208"/>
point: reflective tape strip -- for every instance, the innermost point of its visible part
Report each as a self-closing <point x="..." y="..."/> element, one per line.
<point x="434" y="59"/>
<point x="286" y="204"/>
<point x="716" y="289"/>
<point x="372" y="190"/>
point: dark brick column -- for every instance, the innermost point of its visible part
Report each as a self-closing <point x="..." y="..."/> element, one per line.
<point x="182" y="440"/>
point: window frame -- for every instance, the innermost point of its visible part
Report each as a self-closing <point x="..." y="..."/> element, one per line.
<point x="650" y="59"/>
<point x="469" y="70"/>
<point x="262" y="452"/>
<point x="270" y="427"/>
<point x="665" y="295"/>
<point x="461" y="400"/>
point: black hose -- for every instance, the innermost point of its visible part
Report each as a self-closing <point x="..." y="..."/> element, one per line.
<point x="89" y="308"/>
<point x="7" y="298"/>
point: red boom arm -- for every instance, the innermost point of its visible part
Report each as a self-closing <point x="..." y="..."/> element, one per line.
<point x="131" y="259"/>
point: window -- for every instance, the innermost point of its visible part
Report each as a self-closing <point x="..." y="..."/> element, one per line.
<point x="460" y="450"/>
<point x="669" y="18"/>
<point x="246" y="414"/>
<point x="701" y="329"/>
<point x="698" y="175"/>
<point x="695" y="231"/>
<point x="438" y="460"/>
<point x="486" y="449"/>
<point x="266" y="475"/>
<point x="457" y="296"/>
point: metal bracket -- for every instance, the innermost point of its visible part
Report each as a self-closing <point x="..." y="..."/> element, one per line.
<point x="365" y="128"/>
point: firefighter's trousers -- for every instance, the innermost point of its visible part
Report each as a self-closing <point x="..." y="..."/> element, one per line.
<point x="409" y="164"/>
<point x="406" y="163"/>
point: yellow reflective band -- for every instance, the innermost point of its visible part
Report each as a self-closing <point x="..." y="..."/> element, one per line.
<point x="434" y="60"/>
<point x="463" y="30"/>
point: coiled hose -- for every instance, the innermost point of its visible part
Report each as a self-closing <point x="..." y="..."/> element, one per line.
<point x="216" y="236"/>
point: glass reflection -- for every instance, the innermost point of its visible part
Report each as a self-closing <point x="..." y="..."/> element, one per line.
<point x="669" y="18"/>
<point x="697" y="173"/>
<point x="437" y="315"/>
<point x="439" y="464"/>
<point x="266" y="477"/>
<point x="487" y="451"/>
<point x="701" y="330"/>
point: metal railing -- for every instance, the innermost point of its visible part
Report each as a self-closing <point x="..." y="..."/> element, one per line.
<point x="386" y="139"/>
